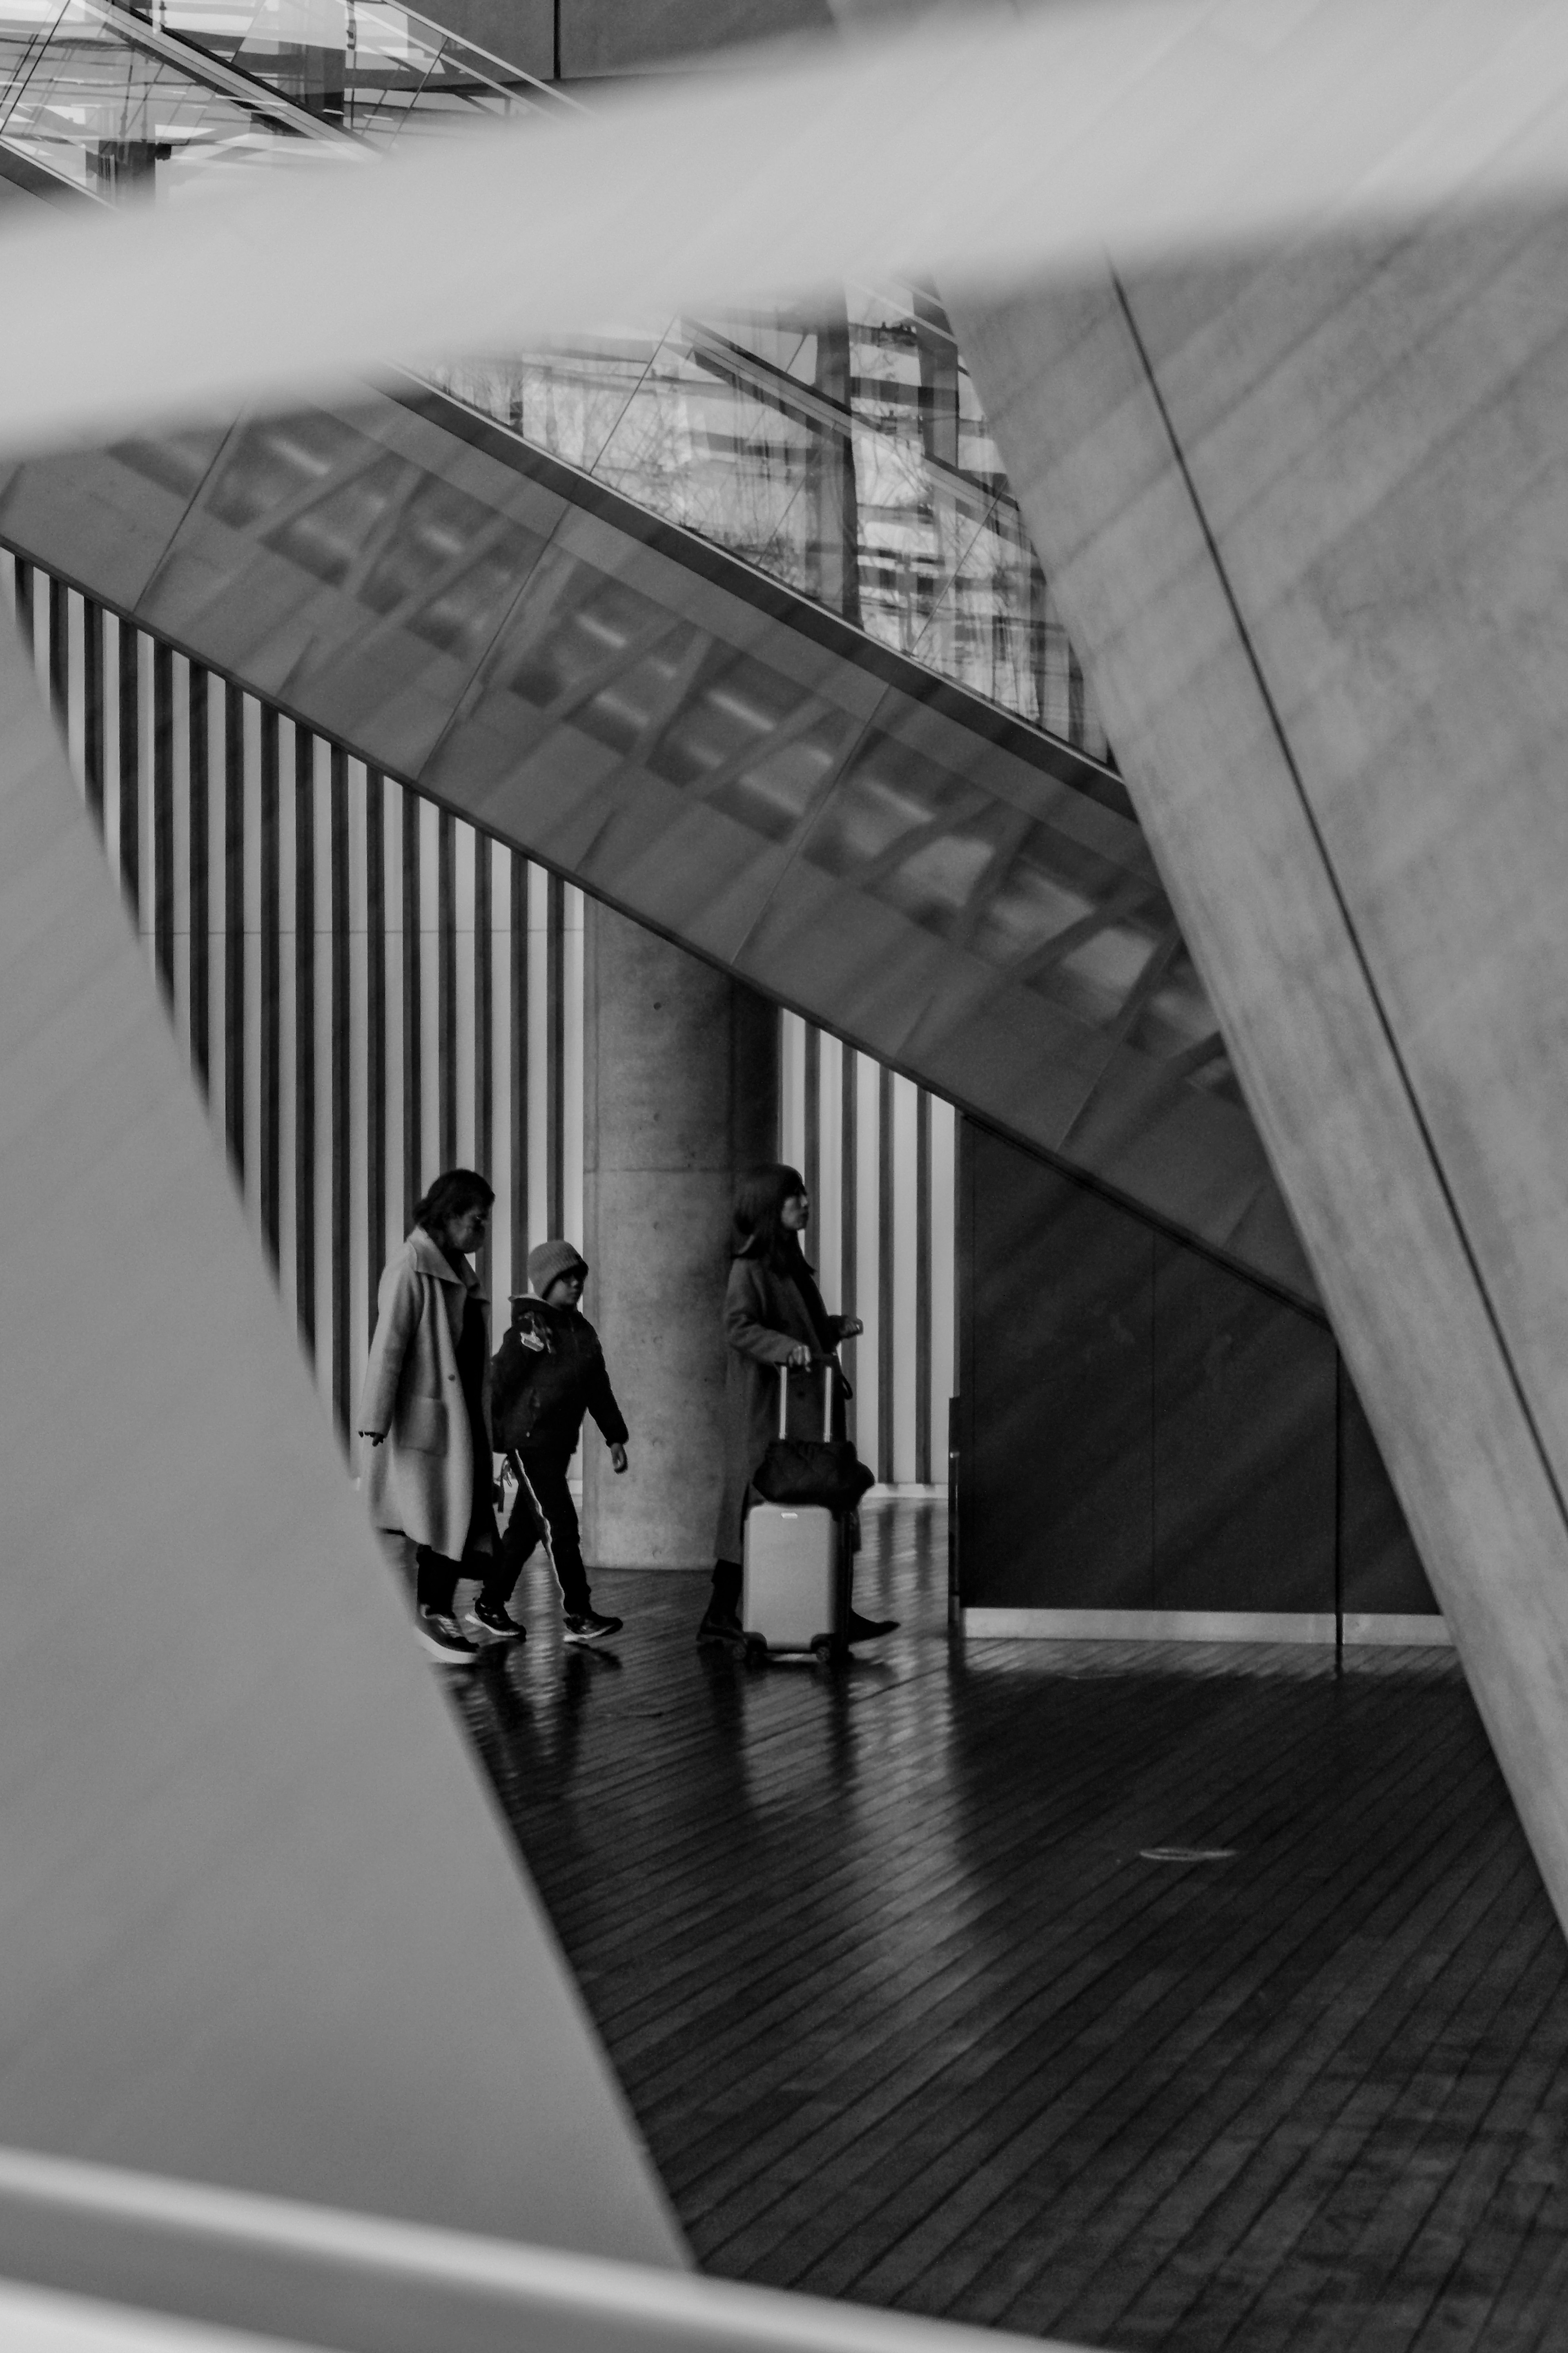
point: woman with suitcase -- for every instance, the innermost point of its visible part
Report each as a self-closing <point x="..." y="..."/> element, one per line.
<point x="774" y="1316"/>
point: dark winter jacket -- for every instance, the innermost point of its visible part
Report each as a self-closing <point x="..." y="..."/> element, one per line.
<point x="538" y="1397"/>
<point x="765" y="1316"/>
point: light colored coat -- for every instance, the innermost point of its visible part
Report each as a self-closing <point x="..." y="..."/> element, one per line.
<point x="421" y="1480"/>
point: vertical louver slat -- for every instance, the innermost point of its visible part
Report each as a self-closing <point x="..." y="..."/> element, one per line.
<point x="269" y="1008"/>
<point x="447" y="987"/>
<point x="484" y="1048"/>
<point x="233" y="926"/>
<point x="305" y="1136"/>
<point x="375" y="1035"/>
<point x="92" y="710"/>
<point x="850" y="1215"/>
<point x="130" y="749"/>
<point x="163" y="820"/>
<point x="197" y="906"/>
<point x="413" y="1041"/>
<point x="885" y="1400"/>
<point x="555" y="1028"/>
<point x="922" y="1301"/>
<point x="342" y="1111"/>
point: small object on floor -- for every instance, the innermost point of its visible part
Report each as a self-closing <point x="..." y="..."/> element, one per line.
<point x="591" y="1626"/>
<point x="493" y="1617"/>
<point x="721" y="1626"/>
<point x="444" y="1637"/>
<point x="867" y="1629"/>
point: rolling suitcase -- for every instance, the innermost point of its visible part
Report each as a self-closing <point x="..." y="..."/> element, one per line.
<point x="794" y="1587"/>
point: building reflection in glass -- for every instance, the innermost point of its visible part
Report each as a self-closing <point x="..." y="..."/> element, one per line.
<point x="847" y="458"/>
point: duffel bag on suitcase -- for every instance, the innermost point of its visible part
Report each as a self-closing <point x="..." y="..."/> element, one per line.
<point x="824" y="1469"/>
<point x="795" y="1586"/>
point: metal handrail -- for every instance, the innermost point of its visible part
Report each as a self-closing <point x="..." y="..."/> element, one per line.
<point x="547" y="90"/>
<point x="364" y="2283"/>
<point x="507" y="79"/>
<point x="248" y="91"/>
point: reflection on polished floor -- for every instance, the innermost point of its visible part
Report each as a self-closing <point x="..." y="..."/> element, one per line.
<point x="907" y="2016"/>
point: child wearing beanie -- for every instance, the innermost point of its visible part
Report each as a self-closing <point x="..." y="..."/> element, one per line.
<point x="549" y="1371"/>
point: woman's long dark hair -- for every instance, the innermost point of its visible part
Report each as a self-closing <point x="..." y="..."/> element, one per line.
<point x="757" y="1229"/>
<point x="455" y="1190"/>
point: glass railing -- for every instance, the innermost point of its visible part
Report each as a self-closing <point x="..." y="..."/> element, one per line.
<point x="365" y="67"/>
<point x="120" y="101"/>
<point x="116" y="116"/>
<point x="846" y="455"/>
<point x="843" y="454"/>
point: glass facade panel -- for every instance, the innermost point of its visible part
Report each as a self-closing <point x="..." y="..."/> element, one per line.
<point x="844" y="456"/>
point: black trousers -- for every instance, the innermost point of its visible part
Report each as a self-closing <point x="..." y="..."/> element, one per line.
<point x="544" y="1469"/>
<point x="726" y="1597"/>
<point x="436" y="1577"/>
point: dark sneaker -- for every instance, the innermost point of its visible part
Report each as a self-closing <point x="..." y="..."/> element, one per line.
<point x="591" y="1626"/>
<point x="721" y="1626"/>
<point x="444" y="1637"/>
<point x="867" y="1629"/>
<point x="492" y="1617"/>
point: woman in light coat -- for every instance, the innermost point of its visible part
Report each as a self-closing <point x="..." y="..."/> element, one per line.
<point x="429" y="1472"/>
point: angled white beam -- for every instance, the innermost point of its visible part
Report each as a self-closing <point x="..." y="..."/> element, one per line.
<point x="261" y="1926"/>
<point x="1143" y="127"/>
<point x="316" y="2274"/>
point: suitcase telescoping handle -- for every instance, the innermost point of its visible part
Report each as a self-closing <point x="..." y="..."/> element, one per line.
<point x="829" y="1367"/>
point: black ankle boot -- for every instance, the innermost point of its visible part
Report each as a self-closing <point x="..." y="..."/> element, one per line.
<point x="722" y="1619"/>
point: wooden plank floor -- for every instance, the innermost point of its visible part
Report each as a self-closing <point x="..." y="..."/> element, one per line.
<point x="906" y="2017"/>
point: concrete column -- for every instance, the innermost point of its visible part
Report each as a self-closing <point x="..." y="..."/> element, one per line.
<point x="681" y="1091"/>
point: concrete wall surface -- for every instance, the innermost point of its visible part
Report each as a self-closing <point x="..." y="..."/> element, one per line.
<point x="604" y="38"/>
<point x="261" y="1927"/>
<point x="1307" y="516"/>
<point x="621" y="37"/>
<point x="521" y="31"/>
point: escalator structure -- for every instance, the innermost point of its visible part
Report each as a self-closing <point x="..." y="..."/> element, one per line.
<point x="737" y="629"/>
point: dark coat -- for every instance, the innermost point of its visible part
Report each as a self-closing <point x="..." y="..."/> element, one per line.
<point x="538" y="1397"/>
<point x="766" y="1315"/>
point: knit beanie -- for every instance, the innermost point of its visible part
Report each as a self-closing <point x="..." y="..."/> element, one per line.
<point x="550" y="1259"/>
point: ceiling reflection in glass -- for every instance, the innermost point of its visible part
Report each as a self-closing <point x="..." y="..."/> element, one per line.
<point x="99" y="101"/>
<point x="370" y="68"/>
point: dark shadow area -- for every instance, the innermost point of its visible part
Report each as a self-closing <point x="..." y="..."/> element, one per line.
<point x="908" y="2017"/>
<point x="1141" y="1428"/>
